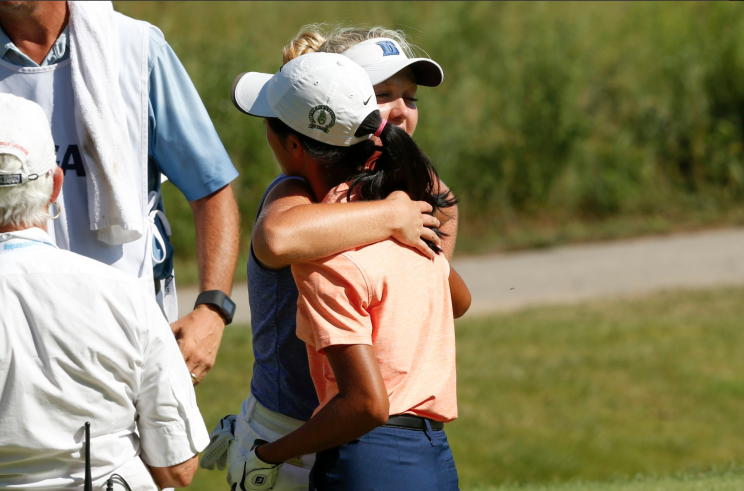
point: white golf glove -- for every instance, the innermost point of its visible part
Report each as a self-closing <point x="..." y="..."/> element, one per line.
<point x="219" y="443"/>
<point x="249" y="473"/>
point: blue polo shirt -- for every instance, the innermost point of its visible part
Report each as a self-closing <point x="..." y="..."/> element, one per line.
<point x="183" y="144"/>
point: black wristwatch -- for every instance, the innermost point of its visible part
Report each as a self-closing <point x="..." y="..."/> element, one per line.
<point x="220" y="301"/>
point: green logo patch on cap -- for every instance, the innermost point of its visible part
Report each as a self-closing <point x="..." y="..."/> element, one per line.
<point x="322" y="118"/>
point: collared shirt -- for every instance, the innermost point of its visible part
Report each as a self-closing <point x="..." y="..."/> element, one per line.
<point x="183" y="144"/>
<point x="59" y="52"/>
<point x="81" y="341"/>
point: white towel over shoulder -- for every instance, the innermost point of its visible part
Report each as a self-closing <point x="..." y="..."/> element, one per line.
<point x="113" y="202"/>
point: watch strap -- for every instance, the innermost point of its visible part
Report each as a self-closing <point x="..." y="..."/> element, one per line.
<point x="220" y="301"/>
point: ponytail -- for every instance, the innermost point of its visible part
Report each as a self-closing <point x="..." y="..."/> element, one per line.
<point x="308" y="40"/>
<point x="401" y="166"/>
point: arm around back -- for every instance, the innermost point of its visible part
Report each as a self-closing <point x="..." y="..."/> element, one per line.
<point x="360" y="406"/>
<point x="292" y="229"/>
<point x="459" y="290"/>
<point x="460" y="294"/>
<point x="449" y="220"/>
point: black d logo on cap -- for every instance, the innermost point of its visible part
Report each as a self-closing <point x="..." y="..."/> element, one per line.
<point x="319" y="118"/>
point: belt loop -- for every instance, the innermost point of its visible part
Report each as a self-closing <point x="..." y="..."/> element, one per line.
<point x="428" y="430"/>
<point x="251" y="406"/>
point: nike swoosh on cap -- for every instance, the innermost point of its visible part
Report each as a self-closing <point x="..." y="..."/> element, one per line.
<point x="368" y="98"/>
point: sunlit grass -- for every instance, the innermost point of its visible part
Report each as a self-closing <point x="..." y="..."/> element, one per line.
<point x="600" y="392"/>
<point x="716" y="480"/>
<point x="604" y="390"/>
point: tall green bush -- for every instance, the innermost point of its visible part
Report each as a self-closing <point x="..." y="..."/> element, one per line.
<point x="551" y="114"/>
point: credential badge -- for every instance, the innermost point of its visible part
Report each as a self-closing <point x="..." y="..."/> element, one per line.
<point x="322" y="118"/>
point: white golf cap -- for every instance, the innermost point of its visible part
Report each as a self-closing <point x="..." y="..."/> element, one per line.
<point x="323" y="96"/>
<point x="383" y="57"/>
<point x="25" y="133"/>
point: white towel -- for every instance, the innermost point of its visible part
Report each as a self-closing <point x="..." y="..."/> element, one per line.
<point x="113" y="202"/>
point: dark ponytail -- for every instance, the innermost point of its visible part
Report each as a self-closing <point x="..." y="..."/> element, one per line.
<point x="400" y="166"/>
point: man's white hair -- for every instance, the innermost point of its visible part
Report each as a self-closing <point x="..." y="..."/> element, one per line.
<point x="25" y="204"/>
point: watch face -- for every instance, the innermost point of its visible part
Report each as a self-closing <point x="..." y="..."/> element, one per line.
<point x="228" y="306"/>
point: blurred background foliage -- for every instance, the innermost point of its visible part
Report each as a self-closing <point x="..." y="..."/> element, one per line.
<point x="598" y="393"/>
<point x="556" y="121"/>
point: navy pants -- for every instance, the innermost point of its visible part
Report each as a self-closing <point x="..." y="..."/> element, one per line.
<point x="388" y="459"/>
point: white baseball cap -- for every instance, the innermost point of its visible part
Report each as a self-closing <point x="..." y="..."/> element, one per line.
<point x="25" y="133"/>
<point x="383" y="57"/>
<point x="323" y="96"/>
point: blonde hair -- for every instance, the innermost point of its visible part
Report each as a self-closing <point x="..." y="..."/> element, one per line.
<point x="308" y="40"/>
<point x="25" y="204"/>
<point x="320" y="38"/>
<point x="342" y="38"/>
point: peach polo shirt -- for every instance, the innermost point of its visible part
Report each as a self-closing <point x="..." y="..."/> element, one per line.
<point x="390" y="297"/>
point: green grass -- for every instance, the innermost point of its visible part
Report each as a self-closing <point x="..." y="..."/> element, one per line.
<point x="718" y="480"/>
<point x="556" y="121"/>
<point x="598" y="393"/>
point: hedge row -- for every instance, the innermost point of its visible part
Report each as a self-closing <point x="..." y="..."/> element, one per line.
<point x="549" y="113"/>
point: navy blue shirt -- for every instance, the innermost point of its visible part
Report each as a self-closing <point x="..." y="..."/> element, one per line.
<point x="281" y="373"/>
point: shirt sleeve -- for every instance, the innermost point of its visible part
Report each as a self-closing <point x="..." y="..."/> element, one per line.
<point x="332" y="307"/>
<point x="183" y="142"/>
<point x="170" y="425"/>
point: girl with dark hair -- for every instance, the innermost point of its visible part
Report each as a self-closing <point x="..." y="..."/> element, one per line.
<point x="293" y="228"/>
<point x="378" y="319"/>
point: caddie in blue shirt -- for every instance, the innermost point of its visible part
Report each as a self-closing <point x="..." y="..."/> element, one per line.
<point x="114" y="90"/>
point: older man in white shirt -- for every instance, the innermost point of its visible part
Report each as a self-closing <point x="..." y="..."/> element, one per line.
<point x="79" y="341"/>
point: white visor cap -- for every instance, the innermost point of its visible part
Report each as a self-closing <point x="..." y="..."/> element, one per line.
<point x="25" y="133"/>
<point x="383" y="57"/>
<point x="323" y="96"/>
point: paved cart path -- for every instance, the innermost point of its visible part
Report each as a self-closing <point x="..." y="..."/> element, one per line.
<point x="570" y="274"/>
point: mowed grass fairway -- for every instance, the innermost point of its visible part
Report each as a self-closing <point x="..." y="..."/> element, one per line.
<point x="727" y="480"/>
<point x="598" y="393"/>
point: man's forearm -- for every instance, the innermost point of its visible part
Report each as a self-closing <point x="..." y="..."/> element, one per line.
<point x="199" y="333"/>
<point x="217" y="223"/>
